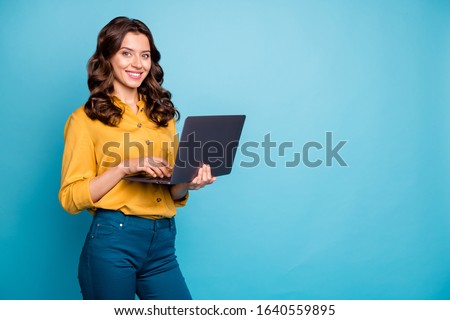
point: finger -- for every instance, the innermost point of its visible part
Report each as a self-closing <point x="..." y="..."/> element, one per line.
<point x="158" y="162"/>
<point x="196" y="183"/>
<point x="193" y="182"/>
<point x="209" y="177"/>
<point x="149" y="170"/>
<point x="200" y="173"/>
<point x="157" y="165"/>
<point x="201" y="177"/>
<point x="165" y="171"/>
<point x="209" y="173"/>
<point x="206" y="173"/>
<point x="158" y="171"/>
<point x="204" y="176"/>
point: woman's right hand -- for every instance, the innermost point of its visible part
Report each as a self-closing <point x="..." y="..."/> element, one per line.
<point x="103" y="183"/>
<point x="154" y="166"/>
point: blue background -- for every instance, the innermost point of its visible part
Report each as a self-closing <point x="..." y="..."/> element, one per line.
<point x="375" y="73"/>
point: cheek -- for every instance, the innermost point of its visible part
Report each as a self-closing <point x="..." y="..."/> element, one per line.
<point x="118" y="65"/>
<point x="147" y="65"/>
<point x="117" y="73"/>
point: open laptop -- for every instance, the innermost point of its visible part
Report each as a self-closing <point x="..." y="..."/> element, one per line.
<point x="211" y="140"/>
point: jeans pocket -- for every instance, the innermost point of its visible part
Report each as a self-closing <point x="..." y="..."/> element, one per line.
<point x="103" y="228"/>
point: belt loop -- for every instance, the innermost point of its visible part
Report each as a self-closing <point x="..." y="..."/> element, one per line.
<point x="125" y="220"/>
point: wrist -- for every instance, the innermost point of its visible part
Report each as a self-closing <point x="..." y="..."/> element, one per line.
<point x="121" y="169"/>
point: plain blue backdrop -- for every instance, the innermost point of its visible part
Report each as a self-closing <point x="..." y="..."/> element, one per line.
<point x="374" y="73"/>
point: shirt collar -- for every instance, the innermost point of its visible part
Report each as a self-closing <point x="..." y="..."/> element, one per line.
<point x="119" y="103"/>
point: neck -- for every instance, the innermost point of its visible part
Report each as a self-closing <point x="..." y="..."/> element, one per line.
<point x="130" y="97"/>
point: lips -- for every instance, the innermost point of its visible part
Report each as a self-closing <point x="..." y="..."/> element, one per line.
<point x="134" y="75"/>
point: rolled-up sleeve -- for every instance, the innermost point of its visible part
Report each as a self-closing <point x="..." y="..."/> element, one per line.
<point x="78" y="167"/>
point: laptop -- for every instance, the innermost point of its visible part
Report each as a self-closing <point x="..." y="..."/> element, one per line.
<point x="211" y="140"/>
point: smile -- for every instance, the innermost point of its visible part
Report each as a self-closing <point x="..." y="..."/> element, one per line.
<point x="134" y="75"/>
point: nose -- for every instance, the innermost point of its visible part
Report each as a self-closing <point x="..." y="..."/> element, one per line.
<point x="136" y="63"/>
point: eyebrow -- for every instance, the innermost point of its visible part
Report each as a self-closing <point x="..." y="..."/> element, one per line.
<point x="132" y="49"/>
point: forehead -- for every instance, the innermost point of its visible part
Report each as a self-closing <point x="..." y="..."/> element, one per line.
<point x="136" y="41"/>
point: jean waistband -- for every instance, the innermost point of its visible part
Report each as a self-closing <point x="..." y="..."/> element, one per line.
<point x="121" y="218"/>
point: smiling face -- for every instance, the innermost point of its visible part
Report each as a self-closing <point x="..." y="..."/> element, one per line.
<point x="131" y="64"/>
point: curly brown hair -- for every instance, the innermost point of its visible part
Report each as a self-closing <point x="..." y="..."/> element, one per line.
<point x="100" y="106"/>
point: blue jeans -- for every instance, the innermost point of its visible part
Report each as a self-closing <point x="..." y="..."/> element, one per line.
<point x="127" y="255"/>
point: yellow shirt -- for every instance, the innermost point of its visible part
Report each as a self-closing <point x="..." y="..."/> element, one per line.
<point x="92" y="147"/>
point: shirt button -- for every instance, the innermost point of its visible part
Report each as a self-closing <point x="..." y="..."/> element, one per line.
<point x="139" y="125"/>
<point x="147" y="142"/>
<point x="158" y="199"/>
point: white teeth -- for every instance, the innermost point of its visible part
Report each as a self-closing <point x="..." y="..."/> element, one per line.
<point x="134" y="74"/>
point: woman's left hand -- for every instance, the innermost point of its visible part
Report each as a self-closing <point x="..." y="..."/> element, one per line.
<point x="203" y="178"/>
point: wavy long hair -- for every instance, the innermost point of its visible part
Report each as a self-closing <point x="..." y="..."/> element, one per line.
<point x="100" y="106"/>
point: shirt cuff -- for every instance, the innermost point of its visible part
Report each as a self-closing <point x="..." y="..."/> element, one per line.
<point x="82" y="195"/>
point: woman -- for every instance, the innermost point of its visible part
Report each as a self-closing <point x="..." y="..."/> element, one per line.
<point x="127" y="126"/>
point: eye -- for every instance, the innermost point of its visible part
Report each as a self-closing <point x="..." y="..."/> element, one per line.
<point x="126" y="53"/>
<point x="146" y="55"/>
